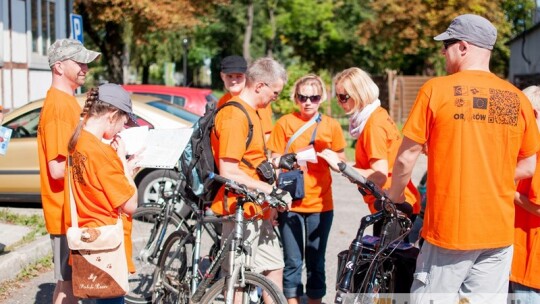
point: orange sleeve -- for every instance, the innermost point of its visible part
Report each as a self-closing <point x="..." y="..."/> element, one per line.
<point x="232" y="131"/>
<point x="416" y="126"/>
<point x="224" y="99"/>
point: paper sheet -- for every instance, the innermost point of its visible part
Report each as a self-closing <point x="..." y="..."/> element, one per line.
<point x="305" y="155"/>
<point x="5" y="136"/>
<point x="162" y="147"/>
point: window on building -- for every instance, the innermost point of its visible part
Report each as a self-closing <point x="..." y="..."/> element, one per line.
<point x="43" y="25"/>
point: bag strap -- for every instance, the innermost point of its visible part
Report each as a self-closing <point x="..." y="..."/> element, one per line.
<point x="73" y="206"/>
<point x="316" y="118"/>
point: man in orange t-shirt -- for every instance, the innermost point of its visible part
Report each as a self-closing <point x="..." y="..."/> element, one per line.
<point x="59" y="117"/>
<point x="524" y="277"/>
<point x="481" y="136"/>
<point x="265" y="79"/>
<point x="233" y="74"/>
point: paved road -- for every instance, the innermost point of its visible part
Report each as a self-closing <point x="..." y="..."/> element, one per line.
<point x="349" y="208"/>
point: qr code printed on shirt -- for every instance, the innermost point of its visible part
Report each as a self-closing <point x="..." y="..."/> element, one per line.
<point x="504" y="107"/>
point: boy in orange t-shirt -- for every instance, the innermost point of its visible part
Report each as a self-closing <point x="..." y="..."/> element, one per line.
<point x="525" y="274"/>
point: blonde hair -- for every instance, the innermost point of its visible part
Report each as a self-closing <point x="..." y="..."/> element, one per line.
<point x="533" y="93"/>
<point x="359" y="86"/>
<point x="309" y="80"/>
<point x="265" y="70"/>
<point x="92" y="107"/>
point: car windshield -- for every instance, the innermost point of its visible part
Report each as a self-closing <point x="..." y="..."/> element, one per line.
<point x="175" y="110"/>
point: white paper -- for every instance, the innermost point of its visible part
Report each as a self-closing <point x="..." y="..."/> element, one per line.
<point x="305" y="155"/>
<point x="159" y="148"/>
<point x="5" y="136"/>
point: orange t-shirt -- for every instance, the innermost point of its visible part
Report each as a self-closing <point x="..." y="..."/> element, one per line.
<point x="229" y="141"/>
<point x="265" y="114"/>
<point x="58" y="119"/>
<point x="317" y="177"/>
<point x="100" y="187"/>
<point x="381" y="139"/>
<point x="526" y="262"/>
<point x="476" y="126"/>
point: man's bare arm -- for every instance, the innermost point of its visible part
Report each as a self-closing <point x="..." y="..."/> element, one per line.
<point x="403" y="166"/>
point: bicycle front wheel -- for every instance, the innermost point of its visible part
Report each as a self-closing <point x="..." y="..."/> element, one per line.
<point x="256" y="285"/>
<point x="147" y="224"/>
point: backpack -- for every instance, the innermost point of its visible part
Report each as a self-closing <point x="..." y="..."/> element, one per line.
<point x="197" y="159"/>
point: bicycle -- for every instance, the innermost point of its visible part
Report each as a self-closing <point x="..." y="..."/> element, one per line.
<point x="181" y="281"/>
<point x="152" y="224"/>
<point x="371" y="266"/>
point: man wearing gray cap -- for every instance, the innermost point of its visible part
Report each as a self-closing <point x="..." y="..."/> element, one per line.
<point x="481" y="136"/>
<point x="59" y="117"/>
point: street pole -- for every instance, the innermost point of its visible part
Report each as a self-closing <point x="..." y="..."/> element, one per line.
<point x="185" y="44"/>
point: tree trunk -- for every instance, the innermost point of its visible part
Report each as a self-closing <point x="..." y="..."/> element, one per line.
<point x="272" y="18"/>
<point x="248" y="32"/>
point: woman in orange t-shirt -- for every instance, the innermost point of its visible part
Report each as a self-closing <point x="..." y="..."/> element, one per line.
<point x="314" y="213"/>
<point x="378" y="138"/>
<point x="102" y="178"/>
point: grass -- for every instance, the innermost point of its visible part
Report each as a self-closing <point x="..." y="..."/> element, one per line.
<point x="35" y="222"/>
<point x="33" y="270"/>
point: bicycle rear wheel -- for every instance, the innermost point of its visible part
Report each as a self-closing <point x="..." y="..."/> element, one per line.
<point x="147" y="223"/>
<point x="251" y="293"/>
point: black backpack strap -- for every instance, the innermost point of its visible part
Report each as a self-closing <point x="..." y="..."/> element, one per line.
<point x="250" y="125"/>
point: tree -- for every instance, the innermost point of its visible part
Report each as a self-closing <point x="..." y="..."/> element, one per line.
<point x="105" y="22"/>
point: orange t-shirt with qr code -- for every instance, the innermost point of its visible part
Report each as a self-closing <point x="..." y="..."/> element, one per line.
<point x="100" y="187"/>
<point x="229" y="141"/>
<point x="381" y="139"/>
<point x="317" y="177"/>
<point x="58" y="119"/>
<point x="526" y="260"/>
<point x="476" y="127"/>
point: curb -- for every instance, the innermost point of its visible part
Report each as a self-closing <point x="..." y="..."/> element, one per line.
<point x="11" y="263"/>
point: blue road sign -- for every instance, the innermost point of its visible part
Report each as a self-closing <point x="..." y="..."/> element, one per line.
<point x="76" y="27"/>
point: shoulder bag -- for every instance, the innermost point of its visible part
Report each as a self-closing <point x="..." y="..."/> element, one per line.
<point x="98" y="255"/>
<point x="293" y="181"/>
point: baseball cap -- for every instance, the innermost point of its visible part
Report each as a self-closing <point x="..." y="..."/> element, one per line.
<point x="116" y="96"/>
<point x="473" y="29"/>
<point x="64" y="49"/>
<point x="233" y="64"/>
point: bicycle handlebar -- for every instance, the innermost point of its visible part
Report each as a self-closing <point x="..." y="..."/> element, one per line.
<point x="255" y="196"/>
<point x="366" y="186"/>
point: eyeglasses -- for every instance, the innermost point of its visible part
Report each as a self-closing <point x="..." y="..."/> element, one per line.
<point x="275" y="92"/>
<point x="343" y="98"/>
<point x="449" y="42"/>
<point x="304" y="98"/>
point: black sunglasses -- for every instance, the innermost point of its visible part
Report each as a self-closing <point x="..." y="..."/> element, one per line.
<point x="343" y="98"/>
<point x="449" y="42"/>
<point x="304" y="98"/>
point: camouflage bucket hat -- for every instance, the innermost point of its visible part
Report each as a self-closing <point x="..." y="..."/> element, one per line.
<point x="65" y="49"/>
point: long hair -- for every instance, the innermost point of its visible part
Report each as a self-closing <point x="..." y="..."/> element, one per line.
<point x="359" y="86"/>
<point x="93" y="107"/>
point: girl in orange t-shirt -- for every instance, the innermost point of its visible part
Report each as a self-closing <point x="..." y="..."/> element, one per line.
<point x="102" y="178"/>
<point x="314" y="213"/>
<point x="378" y="138"/>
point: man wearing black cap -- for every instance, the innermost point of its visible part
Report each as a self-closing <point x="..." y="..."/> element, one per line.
<point x="59" y="117"/>
<point x="481" y="136"/>
<point x="233" y="74"/>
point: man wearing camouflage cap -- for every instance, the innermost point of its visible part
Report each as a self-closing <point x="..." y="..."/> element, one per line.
<point x="68" y="60"/>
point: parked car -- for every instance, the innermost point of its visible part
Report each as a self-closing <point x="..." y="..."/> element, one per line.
<point x="19" y="168"/>
<point x="192" y="99"/>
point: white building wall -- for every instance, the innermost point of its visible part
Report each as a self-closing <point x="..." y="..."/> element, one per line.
<point x="40" y="81"/>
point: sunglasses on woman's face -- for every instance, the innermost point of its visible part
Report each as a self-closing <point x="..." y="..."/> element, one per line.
<point x="343" y="98"/>
<point x="304" y="98"/>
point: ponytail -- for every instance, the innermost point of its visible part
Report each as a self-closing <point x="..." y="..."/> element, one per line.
<point x="91" y="98"/>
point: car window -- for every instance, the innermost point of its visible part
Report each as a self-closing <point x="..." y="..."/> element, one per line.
<point x="178" y="100"/>
<point x="165" y="97"/>
<point x="211" y="98"/>
<point x="25" y="125"/>
<point x="176" y="111"/>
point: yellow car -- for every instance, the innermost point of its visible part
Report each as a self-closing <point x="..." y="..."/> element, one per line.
<point x="19" y="168"/>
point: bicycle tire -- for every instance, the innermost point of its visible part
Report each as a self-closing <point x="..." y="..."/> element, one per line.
<point x="144" y="232"/>
<point x="172" y="267"/>
<point x="255" y="284"/>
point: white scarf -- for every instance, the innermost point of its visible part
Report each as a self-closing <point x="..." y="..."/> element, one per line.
<point x="358" y="120"/>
